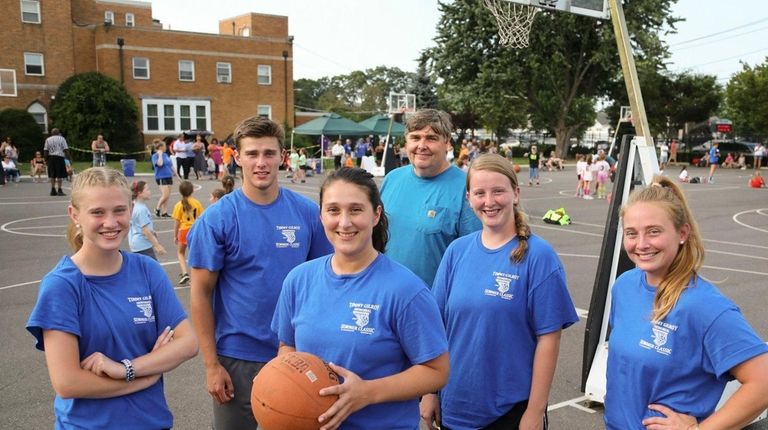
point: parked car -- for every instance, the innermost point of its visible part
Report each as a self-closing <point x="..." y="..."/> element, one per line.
<point x="737" y="148"/>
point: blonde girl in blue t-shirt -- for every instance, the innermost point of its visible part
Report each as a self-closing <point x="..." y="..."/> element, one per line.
<point x="108" y="321"/>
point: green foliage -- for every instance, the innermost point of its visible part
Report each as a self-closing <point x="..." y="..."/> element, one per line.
<point x="356" y="95"/>
<point x="23" y="130"/>
<point x="571" y="61"/>
<point x="91" y="103"/>
<point x="747" y="99"/>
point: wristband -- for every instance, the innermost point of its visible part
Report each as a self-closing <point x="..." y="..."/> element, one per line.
<point x="130" y="374"/>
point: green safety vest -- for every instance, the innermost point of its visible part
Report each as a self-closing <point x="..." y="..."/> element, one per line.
<point x="557" y="216"/>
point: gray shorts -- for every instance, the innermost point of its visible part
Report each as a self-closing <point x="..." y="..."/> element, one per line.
<point x="236" y="414"/>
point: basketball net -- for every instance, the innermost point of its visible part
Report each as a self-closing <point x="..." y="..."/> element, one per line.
<point x="514" y="21"/>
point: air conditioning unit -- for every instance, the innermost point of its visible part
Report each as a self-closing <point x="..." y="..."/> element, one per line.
<point x="224" y="79"/>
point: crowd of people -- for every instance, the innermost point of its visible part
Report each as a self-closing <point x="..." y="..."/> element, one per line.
<point x="431" y="295"/>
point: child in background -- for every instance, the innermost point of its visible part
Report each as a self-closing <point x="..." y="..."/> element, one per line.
<point x="185" y="213"/>
<point x="68" y="166"/>
<point x="757" y="181"/>
<point x="580" y="167"/>
<point x="37" y="167"/>
<point x="683" y="176"/>
<point x="587" y="176"/>
<point x="217" y="194"/>
<point x="142" y="238"/>
<point x="602" y="167"/>
<point x="228" y="183"/>
<point x="228" y="158"/>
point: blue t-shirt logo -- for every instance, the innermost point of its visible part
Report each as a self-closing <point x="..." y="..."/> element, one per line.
<point x="661" y="335"/>
<point x="289" y="236"/>
<point x="502" y="282"/>
<point x="145" y="307"/>
<point x="361" y="315"/>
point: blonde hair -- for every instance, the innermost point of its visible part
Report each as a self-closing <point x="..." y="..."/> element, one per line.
<point x="690" y="256"/>
<point x="498" y="164"/>
<point x="88" y="178"/>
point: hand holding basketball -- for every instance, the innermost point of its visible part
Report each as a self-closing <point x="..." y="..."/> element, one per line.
<point x="353" y="396"/>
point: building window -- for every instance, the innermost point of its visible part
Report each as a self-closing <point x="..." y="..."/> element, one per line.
<point x="186" y="70"/>
<point x="109" y="17"/>
<point x="201" y="117"/>
<point x="129" y="20"/>
<point x="34" y="64"/>
<point x="185" y="114"/>
<point x="8" y="83"/>
<point x="40" y="114"/>
<point x="265" y="75"/>
<point x="151" y="119"/>
<point x="245" y="31"/>
<point x="140" y="68"/>
<point x="30" y="11"/>
<point x="223" y="73"/>
<point x="264" y="111"/>
<point x="172" y="116"/>
<point x="169" y="117"/>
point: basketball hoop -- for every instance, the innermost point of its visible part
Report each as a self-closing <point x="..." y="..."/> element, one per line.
<point x="514" y="21"/>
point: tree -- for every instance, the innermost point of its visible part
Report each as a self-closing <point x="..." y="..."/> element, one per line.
<point x="571" y="61"/>
<point x="747" y="99"/>
<point x="91" y="103"/>
<point x="424" y="86"/>
<point x="22" y="128"/>
<point x="694" y="98"/>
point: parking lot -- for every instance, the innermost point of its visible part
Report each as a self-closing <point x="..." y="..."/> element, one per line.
<point x="733" y="220"/>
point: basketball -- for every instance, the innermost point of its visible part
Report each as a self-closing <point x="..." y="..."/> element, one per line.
<point x="516" y="167"/>
<point x="285" y="393"/>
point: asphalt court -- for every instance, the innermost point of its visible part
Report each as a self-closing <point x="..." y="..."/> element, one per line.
<point x="733" y="220"/>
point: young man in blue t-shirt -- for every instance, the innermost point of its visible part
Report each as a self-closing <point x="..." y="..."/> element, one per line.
<point x="240" y="251"/>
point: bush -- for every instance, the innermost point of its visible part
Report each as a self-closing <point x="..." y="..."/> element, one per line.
<point x="25" y="132"/>
<point x="91" y="103"/>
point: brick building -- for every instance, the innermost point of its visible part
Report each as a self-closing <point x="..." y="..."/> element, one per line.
<point x="179" y="80"/>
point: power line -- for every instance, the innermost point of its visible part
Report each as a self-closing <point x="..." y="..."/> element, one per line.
<point x="730" y="58"/>
<point x="720" y="40"/>
<point x="720" y="32"/>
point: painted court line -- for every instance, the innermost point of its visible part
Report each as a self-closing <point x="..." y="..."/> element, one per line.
<point x="8" y="287"/>
<point x="575" y="403"/>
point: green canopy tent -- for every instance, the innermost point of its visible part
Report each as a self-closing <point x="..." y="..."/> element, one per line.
<point x="379" y="125"/>
<point x="330" y="124"/>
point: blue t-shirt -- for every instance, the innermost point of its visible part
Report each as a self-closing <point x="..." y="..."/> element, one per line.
<point x="121" y="316"/>
<point x="480" y="291"/>
<point x="376" y="323"/>
<point x="714" y="155"/>
<point x="140" y="217"/>
<point x="166" y="170"/>
<point x="361" y="149"/>
<point x="682" y="362"/>
<point x="253" y="247"/>
<point x="425" y="216"/>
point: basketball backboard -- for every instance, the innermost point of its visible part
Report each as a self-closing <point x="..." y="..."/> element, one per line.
<point x="401" y="103"/>
<point x="593" y="8"/>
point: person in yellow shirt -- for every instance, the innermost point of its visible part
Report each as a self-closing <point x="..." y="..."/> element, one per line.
<point x="185" y="213"/>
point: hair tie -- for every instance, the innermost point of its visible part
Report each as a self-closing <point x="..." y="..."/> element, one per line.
<point x="656" y="184"/>
<point x="521" y="237"/>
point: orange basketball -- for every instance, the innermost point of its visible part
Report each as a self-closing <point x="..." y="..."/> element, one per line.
<point x="516" y="167"/>
<point x="285" y="393"/>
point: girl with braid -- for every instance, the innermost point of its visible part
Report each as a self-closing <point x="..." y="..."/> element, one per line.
<point x="675" y="339"/>
<point x="185" y="213"/>
<point x="509" y="285"/>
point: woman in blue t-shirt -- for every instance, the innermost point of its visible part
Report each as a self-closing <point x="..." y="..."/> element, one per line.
<point x="372" y="318"/>
<point x="675" y="339"/>
<point x="109" y="321"/>
<point x="508" y="285"/>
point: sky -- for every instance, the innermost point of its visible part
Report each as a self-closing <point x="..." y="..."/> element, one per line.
<point x="334" y="37"/>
